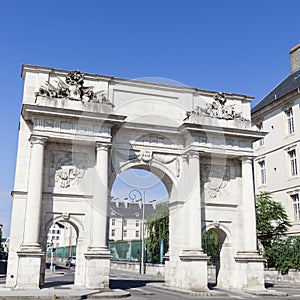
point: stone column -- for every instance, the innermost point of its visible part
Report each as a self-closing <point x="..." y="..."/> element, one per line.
<point x="250" y="265"/>
<point x="192" y="203"/>
<point x="30" y="254"/>
<point x="193" y="264"/>
<point x="249" y="218"/>
<point x="100" y="202"/>
<point x="98" y="255"/>
<point x="34" y="194"/>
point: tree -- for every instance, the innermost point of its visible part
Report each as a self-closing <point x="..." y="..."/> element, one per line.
<point x="271" y="218"/>
<point x="157" y="227"/>
<point x="211" y="245"/>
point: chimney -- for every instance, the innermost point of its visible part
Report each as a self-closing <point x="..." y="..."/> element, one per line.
<point x="139" y="202"/>
<point x="153" y="202"/>
<point x="295" y="58"/>
<point x="126" y="202"/>
<point x="116" y="200"/>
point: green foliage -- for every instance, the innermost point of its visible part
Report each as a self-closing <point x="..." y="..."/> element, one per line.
<point x="211" y="244"/>
<point x="280" y="251"/>
<point x="157" y="227"/>
<point x="271" y="218"/>
<point x="284" y="254"/>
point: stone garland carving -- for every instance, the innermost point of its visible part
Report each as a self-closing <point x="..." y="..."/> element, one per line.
<point x="73" y="89"/>
<point x="67" y="168"/>
<point x="147" y="156"/>
<point x="217" y="109"/>
<point x="214" y="179"/>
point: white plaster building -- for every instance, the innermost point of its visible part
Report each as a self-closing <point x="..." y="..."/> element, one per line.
<point x="55" y="236"/>
<point x="126" y="219"/>
<point x="79" y="131"/>
<point x="61" y="235"/>
<point x="277" y="168"/>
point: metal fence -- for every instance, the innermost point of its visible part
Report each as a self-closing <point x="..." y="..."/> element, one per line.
<point x="62" y="252"/>
<point x="126" y="250"/>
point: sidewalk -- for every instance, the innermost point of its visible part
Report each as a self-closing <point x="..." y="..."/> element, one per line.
<point x="59" y="290"/>
<point x="63" y="292"/>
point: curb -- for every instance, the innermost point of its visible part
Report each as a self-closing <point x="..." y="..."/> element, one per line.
<point x="268" y="293"/>
<point x="51" y="294"/>
<point x="186" y="292"/>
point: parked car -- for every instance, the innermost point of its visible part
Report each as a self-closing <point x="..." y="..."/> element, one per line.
<point x="3" y="255"/>
<point x="71" y="261"/>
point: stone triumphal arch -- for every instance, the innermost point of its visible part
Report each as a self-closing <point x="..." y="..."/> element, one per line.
<point x="79" y="131"/>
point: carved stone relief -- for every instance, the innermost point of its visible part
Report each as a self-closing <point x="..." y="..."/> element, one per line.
<point x="214" y="179"/>
<point x="72" y="89"/>
<point x="217" y="109"/>
<point x="66" y="168"/>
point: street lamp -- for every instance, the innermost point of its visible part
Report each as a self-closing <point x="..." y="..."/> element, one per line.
<point x="133" y="196"/>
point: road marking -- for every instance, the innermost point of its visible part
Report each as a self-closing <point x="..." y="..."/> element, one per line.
<point x="142" y="291"/>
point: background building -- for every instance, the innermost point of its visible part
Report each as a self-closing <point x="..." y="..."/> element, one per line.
<point x="126" y="219"/>
<point x="277" y="155"/>
<point x="61" y="235"/>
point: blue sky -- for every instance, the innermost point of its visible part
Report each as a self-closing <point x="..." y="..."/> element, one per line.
<point x="231" y="46"/>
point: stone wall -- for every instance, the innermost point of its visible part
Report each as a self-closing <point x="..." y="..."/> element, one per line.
<point x="271" y="275"/>
<point x="150" y="269"/>
<point x="154" y="269"/>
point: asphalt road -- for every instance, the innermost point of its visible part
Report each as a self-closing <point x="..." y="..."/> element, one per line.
<point x="140" y="287"/>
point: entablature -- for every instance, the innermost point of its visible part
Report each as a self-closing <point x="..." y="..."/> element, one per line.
<point x="70" y="124"/>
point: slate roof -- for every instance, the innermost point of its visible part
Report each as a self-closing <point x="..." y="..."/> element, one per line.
<point x="289" y="84"/>
<point x="132" y="211"/>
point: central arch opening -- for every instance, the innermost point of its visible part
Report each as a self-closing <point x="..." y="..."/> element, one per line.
<point x="139" y="218"/>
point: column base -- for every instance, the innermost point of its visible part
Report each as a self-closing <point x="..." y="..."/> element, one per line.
<point x="97" y="268"/>
<point x="188" y="271"/>
<point x="30" y="248"/>
<point x="250" y="271"/>
<point x="29" y="268"/>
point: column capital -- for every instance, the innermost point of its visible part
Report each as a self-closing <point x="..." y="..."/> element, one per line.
<point x="246" y="159"/>
<point x="38" y="139"/>
<point x="191" y="154"/>
<point x="102" y="146"/>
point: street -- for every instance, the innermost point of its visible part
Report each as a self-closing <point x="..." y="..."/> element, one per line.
<point x="150" y="287"/>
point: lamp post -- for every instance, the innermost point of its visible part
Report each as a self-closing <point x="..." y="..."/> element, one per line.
<point x="133" y="196"/>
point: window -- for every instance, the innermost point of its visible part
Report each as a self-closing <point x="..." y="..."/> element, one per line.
<point x="262" y="167"/>
<point x="113" y="222"/>
<point x="137" y="234"/>
<point x="260" y="128"/>
<point x="137" y="223"/>
<point x="125" y="222"/>
<point x="296" y="206"/>
<point x="125" y="233"/>
<point x="113" y="232"/>
<point x="290" y="120"/>
<point x="293" y="162"/>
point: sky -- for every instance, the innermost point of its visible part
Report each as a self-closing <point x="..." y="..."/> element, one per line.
<point x="231" y="46"/>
